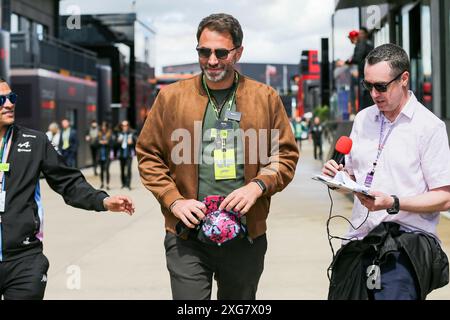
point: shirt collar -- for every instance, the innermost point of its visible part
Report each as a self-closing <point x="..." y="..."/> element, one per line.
<point x="408" y="110"/>
<point x="410" y="106"/>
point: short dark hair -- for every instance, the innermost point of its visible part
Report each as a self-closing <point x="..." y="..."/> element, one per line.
<point x="396" y="57"/>
<point x="222" y="23"/>
<point x="2" y="80"/>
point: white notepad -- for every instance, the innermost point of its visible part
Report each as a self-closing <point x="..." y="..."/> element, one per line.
<point x="343" y="183"/>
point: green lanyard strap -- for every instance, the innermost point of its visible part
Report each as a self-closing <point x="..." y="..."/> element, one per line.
<point x="4" y="141"/>
<point x="230" y="101"/>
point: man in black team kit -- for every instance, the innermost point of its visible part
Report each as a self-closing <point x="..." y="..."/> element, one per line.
<point x="24" y="155"/>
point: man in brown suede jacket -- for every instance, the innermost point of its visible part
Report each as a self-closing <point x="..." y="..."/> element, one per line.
<point x="216" y="134"/>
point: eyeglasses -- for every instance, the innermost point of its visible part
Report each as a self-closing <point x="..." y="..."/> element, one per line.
<point x="12" y="97"/>
<point x="380" y="87"/>
<point x="220" y="53"/>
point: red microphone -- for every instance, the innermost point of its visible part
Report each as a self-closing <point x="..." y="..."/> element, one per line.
<point x="343" y="147"/>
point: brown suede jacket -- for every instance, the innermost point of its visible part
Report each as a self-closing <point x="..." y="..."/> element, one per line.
<point x="182" y="105"/>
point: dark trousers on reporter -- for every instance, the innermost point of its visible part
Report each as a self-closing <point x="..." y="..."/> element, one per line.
<point x="398" y="280"/>
<point x="24" y="278"/>
<point x="237" y="268"/>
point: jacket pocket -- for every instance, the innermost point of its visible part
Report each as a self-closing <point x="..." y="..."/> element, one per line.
<point x="36" y="219"/>
<point x="37" y="223"/>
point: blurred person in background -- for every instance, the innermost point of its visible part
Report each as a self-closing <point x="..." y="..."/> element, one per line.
<point x="126" y="141"/>
<point x="363" y="46"/>
<point x="91" y="138"/>
<point x="53" y="134"/>
<point x="315" y="134"/>
<point x="68" y="143"/>
<point x="104" y="143"/>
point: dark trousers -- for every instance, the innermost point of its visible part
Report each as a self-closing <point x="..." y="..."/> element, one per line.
<point x="398" y="280"/>
<point x="237" y="268"/>
<point x="125" y="171"/>
<point x="104" y="171"/>
<point x="94" y="158"/>
<point x="318" y="149"/>
<point x="70" y="158"/>
<point x="24" y="278"/>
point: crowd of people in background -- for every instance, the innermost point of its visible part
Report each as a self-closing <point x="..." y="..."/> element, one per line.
<point x="311" y="130"/>
<point x="105" y="143"/>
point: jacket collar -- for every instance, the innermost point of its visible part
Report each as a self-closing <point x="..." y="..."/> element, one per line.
<point x="200" y="89"/>
<point x="17" y="132"/>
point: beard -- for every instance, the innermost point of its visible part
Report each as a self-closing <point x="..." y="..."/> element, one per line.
<point x="217" y="77"/>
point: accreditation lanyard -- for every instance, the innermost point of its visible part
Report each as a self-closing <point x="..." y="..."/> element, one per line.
<point x="381" y="144"/>
<point x="4" y="152"/>
<point x="222" y="129"/>
<point x="230" y="101"/>
<point x="224" y="160"/>
<point x="4" y="166"/>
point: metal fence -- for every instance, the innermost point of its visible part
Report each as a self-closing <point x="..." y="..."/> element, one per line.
<point x="33" y="51"/>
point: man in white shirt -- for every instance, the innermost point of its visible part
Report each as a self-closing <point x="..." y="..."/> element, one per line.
<point x="401" y="152"/>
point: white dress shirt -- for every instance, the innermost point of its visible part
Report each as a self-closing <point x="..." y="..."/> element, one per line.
<point x="415" y="160"/>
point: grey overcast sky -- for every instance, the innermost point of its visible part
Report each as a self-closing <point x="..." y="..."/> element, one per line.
<point x="275" y="31"/>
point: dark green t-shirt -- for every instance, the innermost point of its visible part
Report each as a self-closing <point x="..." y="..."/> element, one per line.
<point x="207" y="184"/>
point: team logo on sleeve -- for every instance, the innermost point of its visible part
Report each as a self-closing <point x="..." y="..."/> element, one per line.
<point x="24" y="147"/>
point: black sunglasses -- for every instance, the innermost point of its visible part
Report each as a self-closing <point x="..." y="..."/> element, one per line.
<point x="380" y="87"/>
<point x="220" y="53"/>
<point x="12" y="97"/>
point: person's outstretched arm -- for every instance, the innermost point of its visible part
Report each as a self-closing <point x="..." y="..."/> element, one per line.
<point x="75" y="190"/>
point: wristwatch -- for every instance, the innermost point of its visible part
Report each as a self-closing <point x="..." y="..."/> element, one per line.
<point x="395" y="207"/>
<point x="260" y="184"/>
